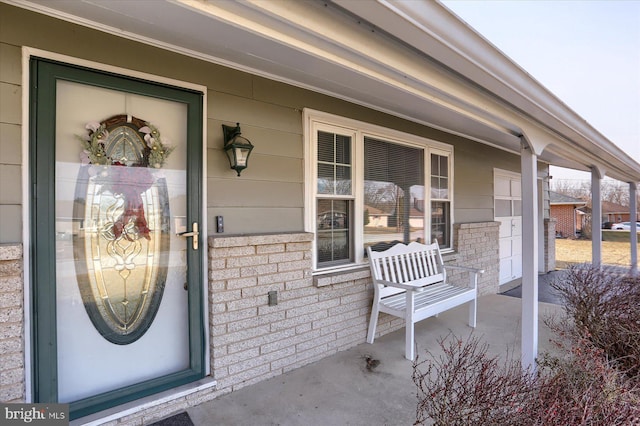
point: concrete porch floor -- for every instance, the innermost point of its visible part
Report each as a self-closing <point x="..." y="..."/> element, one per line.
<point x="339" y="390"/>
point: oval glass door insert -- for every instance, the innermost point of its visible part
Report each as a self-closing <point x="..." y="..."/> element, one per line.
<point x="121" y="251"/>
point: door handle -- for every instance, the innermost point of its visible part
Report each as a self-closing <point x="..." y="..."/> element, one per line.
<point x="194" y="234"/>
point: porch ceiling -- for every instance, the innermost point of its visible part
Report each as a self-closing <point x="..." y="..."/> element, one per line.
<point x="414" y="60"/>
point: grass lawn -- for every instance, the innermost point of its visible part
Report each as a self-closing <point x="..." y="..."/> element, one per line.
<point x="579" y="251"/>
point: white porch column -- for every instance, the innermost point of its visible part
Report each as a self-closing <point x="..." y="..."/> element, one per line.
<point x="596" y="218"/>
<point x="528" y="163"/>
<point x="633" y="217"/>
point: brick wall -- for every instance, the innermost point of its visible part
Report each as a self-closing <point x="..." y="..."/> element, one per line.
<point x="564" y="215"/>
<point x="252" y="341"/>
<point x="12" y="373"/>
<point x="315" y="316"/>
<point x="476" y="245"/>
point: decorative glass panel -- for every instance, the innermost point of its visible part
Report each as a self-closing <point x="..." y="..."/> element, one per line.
<point x="122" y="202"/>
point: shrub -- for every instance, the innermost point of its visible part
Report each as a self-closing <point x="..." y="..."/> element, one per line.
<point x="464" y="386"/>
<point x="604" y="308"/>
<point x="583" y="388"/>
<point x="592" y="380"/>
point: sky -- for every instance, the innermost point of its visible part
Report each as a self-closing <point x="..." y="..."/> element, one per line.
<point x="586" y="52"/>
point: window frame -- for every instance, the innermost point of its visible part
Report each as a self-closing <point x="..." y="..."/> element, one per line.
<point x="314" y="121"/>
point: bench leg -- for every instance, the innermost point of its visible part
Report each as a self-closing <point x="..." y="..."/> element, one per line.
<point x="373" y="323"/>
<point x="473" y="305"/>
<point x="409" y="338"/>
<point x="409" y="327"/>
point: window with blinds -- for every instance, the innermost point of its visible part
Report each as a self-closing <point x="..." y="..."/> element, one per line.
<point x="334" y="245"/>
<point x="440" y="200"/>
<point x="370" y="186"/>
<point x="393" y="193"/>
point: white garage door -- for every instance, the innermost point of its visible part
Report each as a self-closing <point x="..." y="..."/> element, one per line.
<point x="508" y="211"/>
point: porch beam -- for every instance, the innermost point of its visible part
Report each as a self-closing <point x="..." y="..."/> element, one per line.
<point x="633" y="218"/>
<point x="528" y="163"/>
<point x="596" y="217"/>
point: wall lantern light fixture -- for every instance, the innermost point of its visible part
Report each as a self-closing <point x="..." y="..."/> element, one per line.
<point x="237" y="147"/>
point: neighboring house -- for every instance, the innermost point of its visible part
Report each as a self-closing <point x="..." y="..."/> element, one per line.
<point x="186" y="279"/>
<point x="564" y="209"/>
<point x="614" y="212"/>
<point x="377" y="217"/>
<point x="611" y="213"/>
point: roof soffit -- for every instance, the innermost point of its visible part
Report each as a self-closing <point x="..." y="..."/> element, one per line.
<point x="312" y="46"/>
<point x="437" y="32"/>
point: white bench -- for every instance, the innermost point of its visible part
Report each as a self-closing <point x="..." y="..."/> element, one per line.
<point x="410" y="282"/>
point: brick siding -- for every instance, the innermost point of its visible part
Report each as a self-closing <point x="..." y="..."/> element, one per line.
<point x="12" y="373"/>
<point x="251" y="341"/>
<point x="476" y="245"/>
<point x="564" y="215"/>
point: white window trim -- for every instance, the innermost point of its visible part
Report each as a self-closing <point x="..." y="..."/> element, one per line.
<point x="314" y="120"/>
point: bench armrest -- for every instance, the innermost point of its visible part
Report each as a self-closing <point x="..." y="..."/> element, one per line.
<point x="473" y="273"/>
<point x="399" y="285"/>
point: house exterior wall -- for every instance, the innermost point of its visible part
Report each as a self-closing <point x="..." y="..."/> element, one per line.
<point x="617" y="217"/>
<point x="476" y="245"/>
<point x="565" y="220"/>
<point x="10" y="145"/>
<point x="269" y="112"/>
<point x="250" y="341"/>
<point x="316" y="316"/>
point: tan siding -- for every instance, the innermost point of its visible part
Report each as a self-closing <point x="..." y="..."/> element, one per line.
<point x="10" y="144"/>
<point x="471" y="215"/>
<point x="10" y="103"/>
<point x="473" y="180"/>
<point x="254" y="113"/>
<point x="10" y="64"/>
<point x="260" y="167"/>
<point x="270" y="116"/>
<point x="238" y="192"/>
<point x="256" y="219"/>
<point x="474" y="202"/>
<point x="10" y="190"/>
<point x="10" y="223"/>
<point x="266" y="141"/>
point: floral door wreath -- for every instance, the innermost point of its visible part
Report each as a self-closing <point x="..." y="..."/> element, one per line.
<point x="132" y="147"/>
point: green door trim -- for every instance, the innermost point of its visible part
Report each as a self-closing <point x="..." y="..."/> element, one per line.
<point x="44" y="74"/>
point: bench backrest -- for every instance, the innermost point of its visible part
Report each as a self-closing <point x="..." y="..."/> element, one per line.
<point x="420" y="264"/>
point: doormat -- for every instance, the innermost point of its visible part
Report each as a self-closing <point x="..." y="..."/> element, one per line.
<point x="180" y="419"/>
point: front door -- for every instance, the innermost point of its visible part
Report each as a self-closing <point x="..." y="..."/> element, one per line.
<point x="117" y="267"/>
<point x="508" y="212"/>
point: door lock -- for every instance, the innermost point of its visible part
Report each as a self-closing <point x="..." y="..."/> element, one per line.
<point x="193" y="234"/>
